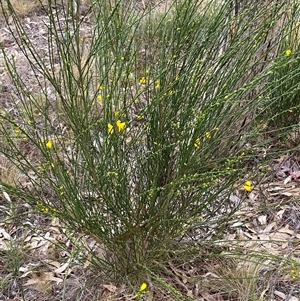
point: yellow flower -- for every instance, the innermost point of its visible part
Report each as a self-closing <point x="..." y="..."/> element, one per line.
<point x="100" y="97"/>
<point x="288" y="52"/>
<point x="143" y="286"/>
<point x="248" y="186"/>
<point x="61" y="190"/>
<point x="110" y="128"/>
<point x="208" y="135"/>
<point x="197" y="142"/>
<point x="142" y="289"/>
<point x="143" y="80"/>
<point x="18" y="131"/>
<point x="157" y="84"/>
<point x="120" y="125"/>
<point x="49" y="144"/>
<point x="112" y="173"/>
<point x="100" y="87"/>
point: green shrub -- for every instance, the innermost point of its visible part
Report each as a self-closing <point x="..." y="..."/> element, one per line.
<point x="137" y="136"/>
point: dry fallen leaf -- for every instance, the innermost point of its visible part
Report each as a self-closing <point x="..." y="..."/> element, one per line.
<point x="280" y="236"/>
<point x="110" y="287"/>
<point x="287" y="180"/>
<point x="263" y="237"/>
<point x="291" y="192"/>
<point x="4" y="234"/>
<point x="43" y="277"/>
<point x="63" y="268"/>
<point x="280" y="214"/>
<point x="285" y="297"/>
<point x="56" y="264"/>
<point x="262" y="219"/>
<point x="269" y="228"/>
<point x="209" y="297"/>
<point x="42" y="281"/>
<point x="190" y="294"/>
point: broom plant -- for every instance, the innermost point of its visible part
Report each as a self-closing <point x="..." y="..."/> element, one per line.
<point x="137" y="131"/>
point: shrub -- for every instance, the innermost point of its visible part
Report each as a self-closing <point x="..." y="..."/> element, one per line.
<point x="136" y="132"/>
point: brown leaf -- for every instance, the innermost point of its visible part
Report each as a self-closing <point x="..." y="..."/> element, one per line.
<point x="285" y="297"/>
<point x="43" y="277"/>
<point x="110" y="287"/>
<point x="269" y="228"/>
<point x="279" y="236"/>
<point x="208" y="297"/>
<point x="291" y="192"/>
<point x="263" y="237"/>
<point x="262" y="219"/>
<point x="4" y="234"/>
<point x="286" y="229"/>
<point x="190" y="294"/>
<point x="63" y="268"/>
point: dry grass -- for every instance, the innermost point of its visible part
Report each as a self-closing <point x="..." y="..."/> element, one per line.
<point x="8" y="172"/>
<point x="238" y="279"/>
<point x="26" y="7"/>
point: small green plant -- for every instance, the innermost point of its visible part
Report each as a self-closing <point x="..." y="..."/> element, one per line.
<point x="13" y="255"/>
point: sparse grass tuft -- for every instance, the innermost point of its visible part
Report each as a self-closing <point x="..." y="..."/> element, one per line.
<point x="239" y="279"/>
